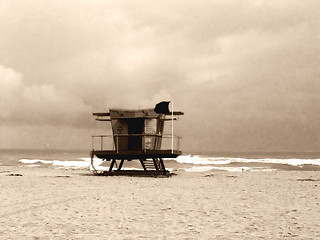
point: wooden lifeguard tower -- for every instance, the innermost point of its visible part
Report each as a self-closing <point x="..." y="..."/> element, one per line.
<point x="137" y="135"/>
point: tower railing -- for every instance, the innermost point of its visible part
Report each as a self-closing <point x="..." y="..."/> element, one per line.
<point x="111" y="142"/>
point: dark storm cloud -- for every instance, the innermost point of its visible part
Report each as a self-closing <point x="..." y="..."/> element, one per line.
<point x="245" y="72"/>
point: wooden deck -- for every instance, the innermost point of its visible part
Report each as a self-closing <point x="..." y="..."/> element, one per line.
<point x="151" y="162"/>
<point x="130" y="155"/>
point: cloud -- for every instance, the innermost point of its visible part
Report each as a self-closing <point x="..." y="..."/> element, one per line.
<point x="245" y="72"/>
<point x="10" y="83"/>
<point x="37" y="104"/>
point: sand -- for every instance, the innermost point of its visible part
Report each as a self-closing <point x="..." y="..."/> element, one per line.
<point x="47" y="203"/>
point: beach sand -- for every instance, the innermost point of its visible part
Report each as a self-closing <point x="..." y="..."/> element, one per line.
<point x="46" y="203"/>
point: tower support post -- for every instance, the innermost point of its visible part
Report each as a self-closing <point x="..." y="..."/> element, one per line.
<point x="121" y="163"/>
<point x="111" y="165"/>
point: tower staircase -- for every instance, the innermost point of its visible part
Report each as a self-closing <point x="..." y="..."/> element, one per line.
<point x="154" y="164"/>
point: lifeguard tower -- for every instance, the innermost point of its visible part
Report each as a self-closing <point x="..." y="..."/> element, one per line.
<point x="137" y="135"/>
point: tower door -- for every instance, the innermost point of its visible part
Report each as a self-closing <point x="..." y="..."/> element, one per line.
<point x="135" y="126"/>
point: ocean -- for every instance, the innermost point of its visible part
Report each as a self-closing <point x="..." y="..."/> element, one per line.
<point x="190" y="162"/>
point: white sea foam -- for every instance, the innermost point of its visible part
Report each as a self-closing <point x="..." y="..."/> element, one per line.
<point x="31" y="161"/>
<point x="88" y="159"/>
<point x="292" y="161"/>
<point x="96" y="164"/>
<point x="199" y="169"/>
<point x="59" y="163"/>
<point x="73" y="164"/>
<point x="199" y="160"/>
<point x="33" y="165"/>
<point x="229" y="169"/>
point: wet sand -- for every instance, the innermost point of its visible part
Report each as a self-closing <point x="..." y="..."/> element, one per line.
<point x="47" y="203"/>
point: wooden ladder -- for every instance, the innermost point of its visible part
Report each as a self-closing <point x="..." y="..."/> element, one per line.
<point x="152" y="165"/>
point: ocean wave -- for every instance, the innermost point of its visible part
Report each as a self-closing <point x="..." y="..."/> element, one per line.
<point x="83" y="163"/>
<point x="201" y="163"/>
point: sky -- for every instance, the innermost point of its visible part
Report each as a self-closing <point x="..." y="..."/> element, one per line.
<point x="245" y="73"/>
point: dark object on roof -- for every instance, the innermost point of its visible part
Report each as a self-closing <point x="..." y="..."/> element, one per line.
<point x="162" y="107"/>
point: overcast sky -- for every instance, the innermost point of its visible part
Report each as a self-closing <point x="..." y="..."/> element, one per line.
<point x="246" y="73"/>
